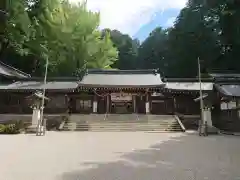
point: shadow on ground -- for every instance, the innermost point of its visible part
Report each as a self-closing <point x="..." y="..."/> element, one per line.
<point x="183" y="158"/>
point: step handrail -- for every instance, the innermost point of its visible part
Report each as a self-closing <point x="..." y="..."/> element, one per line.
<point x="180" y="122"/>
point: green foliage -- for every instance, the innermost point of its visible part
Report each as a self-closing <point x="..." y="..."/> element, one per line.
<point x="208" y="29"/>
<point x="2" y="128"/>
<point x="19" y="29"/>
<point x="3" y="6"/>
<point x="68" y="36"/>
<point x="9" y="129"/>
<point x="127" y="49"/>
<point x="12" y="127"/>
<point x="63" y="33"/>
<point x="152" y="51"/>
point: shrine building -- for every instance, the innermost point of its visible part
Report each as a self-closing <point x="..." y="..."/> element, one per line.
<point x="142" y="92"/>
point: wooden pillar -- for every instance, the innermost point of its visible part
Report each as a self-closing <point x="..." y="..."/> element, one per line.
<point x="238" y="107"/>
<point x="71" y="104"/>
<point x="174" y="105"/>
<point x="147" y="105"/>
<point x="107" y="103"/>
<point x="134" y="104"/>
<point x="95" y="104"/>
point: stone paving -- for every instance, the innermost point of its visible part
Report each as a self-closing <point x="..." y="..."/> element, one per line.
<point x="119" y="156"/>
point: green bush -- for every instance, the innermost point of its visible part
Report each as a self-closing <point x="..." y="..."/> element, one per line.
<point x="11" y="129"/>
<point x="20" y="125"/>
<point x="2" y="128"/>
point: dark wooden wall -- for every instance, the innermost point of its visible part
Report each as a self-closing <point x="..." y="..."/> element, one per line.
<point x="14" y="103"/>
<point x="162" y="105"/>
<point x="185" y="104"/>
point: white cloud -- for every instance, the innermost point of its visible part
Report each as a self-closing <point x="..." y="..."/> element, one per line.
<point x="129" y="16"/>
<point x="170" y="22"/>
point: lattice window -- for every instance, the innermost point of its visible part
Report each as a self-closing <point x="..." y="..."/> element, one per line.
<point x="228" y="105"/>
<point x="84" y="104"/>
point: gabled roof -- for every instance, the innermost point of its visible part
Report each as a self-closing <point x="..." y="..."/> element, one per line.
<point x="34" y="85"/>
<point x="189" y="86"/>
<point x="196" y="79"/>
<point x="10" y="71"/>
<point x="121" y="78"/>
<point x="224" y="75"/>
<point x="229" y="90"/>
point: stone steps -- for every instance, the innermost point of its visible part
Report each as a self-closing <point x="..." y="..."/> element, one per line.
<point x="124" y="123"/>
<point x="118" y="128"/>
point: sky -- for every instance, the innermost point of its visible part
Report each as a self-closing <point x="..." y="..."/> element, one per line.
<point x="136" y="17"/>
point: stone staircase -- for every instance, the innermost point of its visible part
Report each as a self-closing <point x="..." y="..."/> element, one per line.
<point x="123" y="122"/>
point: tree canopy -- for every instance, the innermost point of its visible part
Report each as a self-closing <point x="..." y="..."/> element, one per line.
<point x="65" y="34"/>
<point x="68" y="36"/>
<point x="205" y="29"/>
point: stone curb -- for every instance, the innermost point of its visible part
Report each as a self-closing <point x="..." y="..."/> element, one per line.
<point x="229" y="133"/>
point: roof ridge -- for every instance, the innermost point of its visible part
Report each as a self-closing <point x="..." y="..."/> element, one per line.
<point x="64" y="79"/>
<point x="111" y="71"/>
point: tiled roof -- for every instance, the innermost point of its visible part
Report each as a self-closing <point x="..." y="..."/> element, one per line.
<point x="34" y="85"/>
<point x="226" y="75"/>
<point x="189" y="86"/>
<point x="10" y="71"/>
<point x="121" y="78"/>
<point x="229" y="89"/>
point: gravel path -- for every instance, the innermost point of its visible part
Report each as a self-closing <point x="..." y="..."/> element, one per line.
<point x="119" y="156"/>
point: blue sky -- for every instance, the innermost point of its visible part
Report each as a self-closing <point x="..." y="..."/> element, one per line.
<point x="136" y="17"/>
<point x="164" y="19"/>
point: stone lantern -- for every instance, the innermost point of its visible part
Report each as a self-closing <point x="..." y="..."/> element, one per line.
<point x="35" y="102"/>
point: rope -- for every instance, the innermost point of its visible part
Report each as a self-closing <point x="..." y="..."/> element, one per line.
<point x="141" y="94"/>
<point x="100" y="95"/>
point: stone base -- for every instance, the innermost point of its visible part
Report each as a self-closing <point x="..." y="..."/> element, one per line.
<point x="230" y="133"/>
<point x="31" y="129"/>
<point x="213" y="130"/>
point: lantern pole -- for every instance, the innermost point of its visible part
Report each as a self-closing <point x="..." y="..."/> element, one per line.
<point x="42" y="121"/>
<point x="201" y="122"/>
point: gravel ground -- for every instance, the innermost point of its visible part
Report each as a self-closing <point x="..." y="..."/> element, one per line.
<point x="119" y="156"/>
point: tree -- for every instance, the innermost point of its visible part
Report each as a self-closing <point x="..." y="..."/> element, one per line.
<point x="191" y="38"/>
<point x="226" y="15"/>
<point x="152" y="51"/>
<point x="64" y="33"/>
<point x="3" y="8"/>
<point x="83" y="42"/>
<point x="207" y="29"/>
<point x="104" y="54"/>
<point x="127" y="48"/>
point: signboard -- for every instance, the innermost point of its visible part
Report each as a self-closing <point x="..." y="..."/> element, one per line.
<point x="157" y="94"/>
<point x="121" y="97"/>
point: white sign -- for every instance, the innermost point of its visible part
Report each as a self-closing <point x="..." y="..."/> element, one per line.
<point x="157" y="94"/>
<point x="121" y="97"/>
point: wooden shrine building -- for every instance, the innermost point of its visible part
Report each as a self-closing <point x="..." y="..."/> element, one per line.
<point x="108" y="91"/>
<point x="123" y="92"/>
